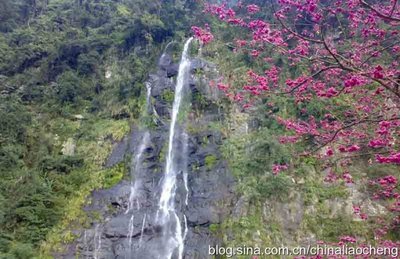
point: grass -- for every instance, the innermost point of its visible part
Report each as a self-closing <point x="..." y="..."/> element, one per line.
<point x="331" y="229"/>
<point x="315" y="191"/>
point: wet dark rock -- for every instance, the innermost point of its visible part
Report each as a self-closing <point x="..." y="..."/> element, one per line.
<point x="162" y="109"/>
<point x="201" y="64"/>
<point x="118" y="153"/>
<point x="172" y="70"/>
<point x="159" y="84"/>
<point x="165" y="61"/>
<point x="166" y="64"/>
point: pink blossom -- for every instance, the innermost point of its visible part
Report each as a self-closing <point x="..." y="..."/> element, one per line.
<point x="330" y="177"/>
<point x="378" y="72"/>
<point x="222" y="87"/>
<point x="241" y="43"/>
<point x="351" y="148"/>
<point x="391" y="159"/>
<point x="276" y="168"/>
<point x="204" y="36"/>
<point x="252" y="9"/>
<point x="348" y="239"/>
<point x="329" y="152"/>
<point x="377" y="143"/>
<point x="347" y="177"/>
<point x="255" y="53"/>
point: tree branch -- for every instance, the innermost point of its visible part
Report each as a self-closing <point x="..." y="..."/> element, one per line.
<point x="379" y="51"/>
<point x="297" y="34"/>
<point x="380" y="14"/>
<point x="393" y="8"/>
<point x="335" y="57"/>
<point x="335" y="134"/>
<point x="312" y="76"/>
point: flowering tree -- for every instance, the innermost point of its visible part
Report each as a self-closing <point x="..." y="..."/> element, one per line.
<point x="348" y="51"/>
<point x="344" y="53"/>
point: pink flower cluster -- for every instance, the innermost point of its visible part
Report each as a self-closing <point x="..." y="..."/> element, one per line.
<point x="391" y="159"/>
<point x="359" y="65"/>
<point x="347" y="177"/>
<point x="252" y="9"/>
<point x="387" y="187"/>
<point x="351" y="148"/>
<point x="277" y="168"/>
<point x="347" y="239"/>
<point x="330" y="177"/>
<point x="204" y="36"/>
<point x="357" y="212"/>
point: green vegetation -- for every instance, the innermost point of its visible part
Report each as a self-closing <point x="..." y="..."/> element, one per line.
<point x="330" y="229"/>
<point x="168" y="96"/>
<point x="251" y="159"/>
<point x="71" y="82"/>
<point x="315" y="191"/>
<point x="210" y="161"/>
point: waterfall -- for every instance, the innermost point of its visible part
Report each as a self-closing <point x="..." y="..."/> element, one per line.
<point x="166" y="49"/>
<point x="85" y="242"/>
<point x="185" y="138"/>
<point x="130" y="230"/>
<point x="148" y="98"/>
<point x="136" y="164"/>
<point x="97" y="242"/>
<point x="142" y="230"/>
<point x="136" y="184"/>
<point x="167" y="215"/>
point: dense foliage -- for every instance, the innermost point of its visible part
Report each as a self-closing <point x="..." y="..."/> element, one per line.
<point x="71" y="79"/>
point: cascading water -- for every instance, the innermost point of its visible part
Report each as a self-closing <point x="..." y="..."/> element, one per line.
<point x="136" y="163"/>
<point x="85" y="242"/>
<point x="167" y="216"/>
<point x="135" y="169"/>
<point x="148" y="96"/>
<point x="165" y="50"/>
<point x="185" y="139"/>
<point x="142" y="230"/>
<point x="97" y="242"/>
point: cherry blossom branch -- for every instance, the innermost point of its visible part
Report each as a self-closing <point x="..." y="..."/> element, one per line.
<point x="295" y="33"/>
<point x="382" y="83"/>
<point x="335" y="56"/>
<point x="349" y="69"/>
<point x="393" y="8"/>
<point x="349" y="126"/>
<point x="290" y="30"/>
<point x="360" y="155"/>
<point x="380" y="14"/>
<point x="379" y="51"/>
<point x="312" y="76"/>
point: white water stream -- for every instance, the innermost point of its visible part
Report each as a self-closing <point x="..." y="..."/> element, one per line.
<point x="167" y="215"/>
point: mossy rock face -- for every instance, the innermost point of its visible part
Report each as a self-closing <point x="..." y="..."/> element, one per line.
<point x="168" y="96"/>
<point x="114" y="175"/>
<point x="210" y="161"/>
<point x="314" y="191"/>
<point x="331" y="229"/>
